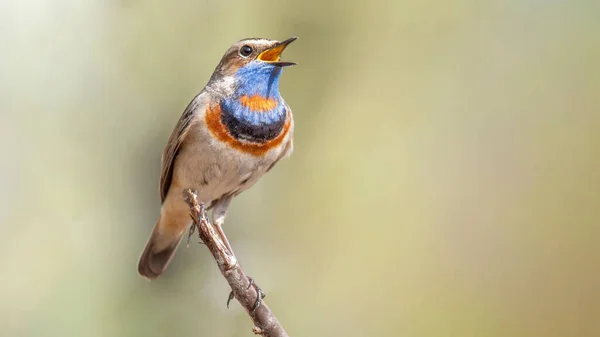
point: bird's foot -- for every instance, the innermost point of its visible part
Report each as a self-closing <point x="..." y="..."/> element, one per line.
<point x="202" y="217"/>
<point x="259" y="295"/>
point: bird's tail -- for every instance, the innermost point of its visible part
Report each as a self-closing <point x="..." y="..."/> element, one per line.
<point x="158" y="252"/>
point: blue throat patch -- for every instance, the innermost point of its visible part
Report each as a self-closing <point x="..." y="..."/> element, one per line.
<point x="256" y="111"/>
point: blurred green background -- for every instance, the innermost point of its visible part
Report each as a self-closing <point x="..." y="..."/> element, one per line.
<point x="445" y="180"/>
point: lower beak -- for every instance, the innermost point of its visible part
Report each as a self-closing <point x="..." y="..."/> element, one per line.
<point x="273" y="54"/>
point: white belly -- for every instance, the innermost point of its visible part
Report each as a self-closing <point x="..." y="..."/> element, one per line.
<point x="214" y="169"/>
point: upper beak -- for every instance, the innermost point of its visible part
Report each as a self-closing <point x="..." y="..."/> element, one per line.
<point x="273" y="54"/>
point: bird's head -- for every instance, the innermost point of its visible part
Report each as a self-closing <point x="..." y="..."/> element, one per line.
<point x="254" y="65"/>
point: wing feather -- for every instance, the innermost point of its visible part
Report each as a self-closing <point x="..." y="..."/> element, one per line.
<point x="170" y="152"/>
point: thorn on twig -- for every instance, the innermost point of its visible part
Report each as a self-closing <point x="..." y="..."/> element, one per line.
<point x="257" y="330"/>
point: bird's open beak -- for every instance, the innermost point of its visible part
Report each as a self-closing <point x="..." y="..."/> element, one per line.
<point x="273" y="54"/>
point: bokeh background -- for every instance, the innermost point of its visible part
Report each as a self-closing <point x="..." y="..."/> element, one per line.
<point x="445" y="182"/>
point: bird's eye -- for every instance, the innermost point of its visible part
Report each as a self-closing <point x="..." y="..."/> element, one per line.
<point x="245" y="51"/>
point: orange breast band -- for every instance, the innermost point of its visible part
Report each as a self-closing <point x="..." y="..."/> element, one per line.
<point x="258" y="103"/>
<point x="220" y="132"/>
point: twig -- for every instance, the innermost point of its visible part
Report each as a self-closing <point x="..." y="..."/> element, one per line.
<point x="265" y="323"/>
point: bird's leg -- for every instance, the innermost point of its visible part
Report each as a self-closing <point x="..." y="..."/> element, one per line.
<point x="222" y="235"/>
<point x="219" y="212"/>
<point x="218" y="215"/>
<point x="194" y="224"/>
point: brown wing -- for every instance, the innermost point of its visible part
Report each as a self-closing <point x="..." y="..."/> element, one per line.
<point x="170" y="152"/>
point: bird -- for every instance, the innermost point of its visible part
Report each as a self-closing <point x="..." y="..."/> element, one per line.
<point x="230" y="135"/>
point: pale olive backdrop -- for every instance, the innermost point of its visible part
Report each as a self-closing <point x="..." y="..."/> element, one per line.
<point x="446" y="178"/>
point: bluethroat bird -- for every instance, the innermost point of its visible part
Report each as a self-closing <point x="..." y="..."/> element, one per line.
<point x="232" y="133"/>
